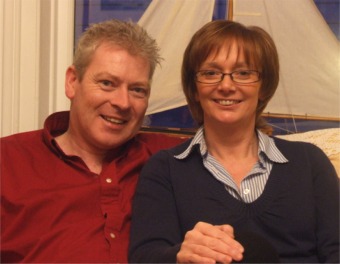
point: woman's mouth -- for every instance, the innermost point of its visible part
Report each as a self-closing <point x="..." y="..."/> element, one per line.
<point x="227" y="102"/>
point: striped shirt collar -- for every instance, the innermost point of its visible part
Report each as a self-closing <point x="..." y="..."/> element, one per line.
<point x="266" y="146"/>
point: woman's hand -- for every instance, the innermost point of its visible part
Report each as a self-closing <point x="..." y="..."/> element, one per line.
<point x="207" y="243"/>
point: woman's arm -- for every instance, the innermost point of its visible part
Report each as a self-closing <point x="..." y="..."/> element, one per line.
<point x="326" y="196"/>
<point x="155" y="230"/>
<point x="157" y="233"/>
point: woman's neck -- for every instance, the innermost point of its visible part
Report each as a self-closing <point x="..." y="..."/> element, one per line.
<point x="236" y="139"/>
<point x="236" y="150"/>
<point x="235" y="144"/>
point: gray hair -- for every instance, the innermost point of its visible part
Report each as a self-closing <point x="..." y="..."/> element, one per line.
<point x="127" y="35"/>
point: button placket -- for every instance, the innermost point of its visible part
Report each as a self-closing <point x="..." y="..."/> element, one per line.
<point x="108" y="180"/>
<point x="246" y="191"/>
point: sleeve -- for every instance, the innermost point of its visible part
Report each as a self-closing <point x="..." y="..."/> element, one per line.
<point x="155" y="230"/>
<point x="326" y="190"/>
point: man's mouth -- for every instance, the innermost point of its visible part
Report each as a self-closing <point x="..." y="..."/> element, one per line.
<point x="227" y="102"/>
<point x="113" y="120"/>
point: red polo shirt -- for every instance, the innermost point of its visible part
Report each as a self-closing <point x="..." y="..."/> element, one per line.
<point x="53" y="209"/>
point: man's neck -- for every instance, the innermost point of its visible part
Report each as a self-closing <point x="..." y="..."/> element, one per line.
<point x="92" y="158"/>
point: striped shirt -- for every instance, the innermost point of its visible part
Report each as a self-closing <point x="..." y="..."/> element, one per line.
<point x="253" y="184"/>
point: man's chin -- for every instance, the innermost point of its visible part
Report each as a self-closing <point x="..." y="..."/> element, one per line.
<point x="116" y="141"/>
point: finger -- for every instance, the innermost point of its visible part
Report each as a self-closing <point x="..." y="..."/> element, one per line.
<point x="192" y="258"/>
<point x="222" y="247"/>
<point x="226" y="246"/>
<point x="210" y="230"/>
<point x="200" y="253"/>
<point x="215" y="238"/>
<point x="227" y="229"/>
<point x="223" y="232"/>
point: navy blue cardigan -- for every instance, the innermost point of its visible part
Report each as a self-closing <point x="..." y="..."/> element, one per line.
<point x="298" y="211"/>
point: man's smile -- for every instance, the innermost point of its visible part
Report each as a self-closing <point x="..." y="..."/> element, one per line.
<point x="113" y="120"/>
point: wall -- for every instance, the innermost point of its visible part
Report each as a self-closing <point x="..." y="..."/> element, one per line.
<point x="36" y="46"/>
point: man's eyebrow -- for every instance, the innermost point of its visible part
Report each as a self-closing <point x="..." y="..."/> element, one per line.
<point x="144" y="84"/>
<point x="105" y="74"/>
<point x="118" y="79"/>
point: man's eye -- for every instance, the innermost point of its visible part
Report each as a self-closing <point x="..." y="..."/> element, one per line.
<point x="140" y="92"/>
<point x="105" y="84"/>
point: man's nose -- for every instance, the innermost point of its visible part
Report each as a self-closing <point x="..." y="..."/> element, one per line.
<point x="120" y="98"/>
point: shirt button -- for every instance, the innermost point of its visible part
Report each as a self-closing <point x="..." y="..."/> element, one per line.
<point x="108" y="180"/>
<point x="112" y="235"/>
<point x="246" y="191"/>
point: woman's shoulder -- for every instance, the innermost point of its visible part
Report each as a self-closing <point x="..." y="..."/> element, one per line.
<point x="175" y="150"/>
<point x="295" y="148"/>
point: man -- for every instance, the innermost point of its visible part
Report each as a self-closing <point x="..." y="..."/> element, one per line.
<point x="66" y="190"/>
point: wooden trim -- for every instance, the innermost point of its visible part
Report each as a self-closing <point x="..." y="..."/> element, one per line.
<point x="305" y="117"/>
<point x="230" y="10"/>
<point x="170" y="130"/>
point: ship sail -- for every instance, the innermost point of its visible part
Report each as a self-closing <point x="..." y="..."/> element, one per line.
<point x="308" y="51"/>
<point x="172" y="23"/>
<point x="309" y="55"/>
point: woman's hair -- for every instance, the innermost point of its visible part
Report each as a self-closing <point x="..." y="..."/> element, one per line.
<point x="259" y="51"/>
<point x="128" y="35"/>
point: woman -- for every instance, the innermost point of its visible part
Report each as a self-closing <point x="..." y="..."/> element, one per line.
<point x="201" y="201"/>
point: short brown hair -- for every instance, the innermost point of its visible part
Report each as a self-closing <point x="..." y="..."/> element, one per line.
<point x="258" y="48"/>
<point x="127" y="35"/>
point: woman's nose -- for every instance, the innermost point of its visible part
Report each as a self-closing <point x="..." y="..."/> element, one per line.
<point x="226" y="84"/>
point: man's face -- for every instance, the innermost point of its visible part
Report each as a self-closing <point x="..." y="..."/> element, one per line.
<point x="109" y="103"/>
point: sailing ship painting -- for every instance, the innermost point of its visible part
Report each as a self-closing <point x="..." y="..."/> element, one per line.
<point x="308" y="96"/>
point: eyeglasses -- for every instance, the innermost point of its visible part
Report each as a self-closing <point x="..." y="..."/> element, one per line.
<point x="213" y="77"/>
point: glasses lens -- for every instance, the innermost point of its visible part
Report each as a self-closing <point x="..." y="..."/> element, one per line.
<point x="213" y="77"/>
<point x="209" y="76"/>
<point x="245" y="76"/>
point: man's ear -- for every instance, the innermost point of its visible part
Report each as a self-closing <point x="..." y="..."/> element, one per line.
<point x="71" y="82"/>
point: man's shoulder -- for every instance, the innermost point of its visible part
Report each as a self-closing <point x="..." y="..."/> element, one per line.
<point x="25" y="144"/>
<point x="22" y="137"/>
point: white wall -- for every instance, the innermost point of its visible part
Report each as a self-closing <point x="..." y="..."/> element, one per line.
<point x="36" y="46"/>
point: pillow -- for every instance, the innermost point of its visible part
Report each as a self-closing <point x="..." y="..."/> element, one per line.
<point x="326" y="139"/>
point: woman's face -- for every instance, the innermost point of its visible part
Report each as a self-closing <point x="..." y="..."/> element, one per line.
<point x="228" y="103"/>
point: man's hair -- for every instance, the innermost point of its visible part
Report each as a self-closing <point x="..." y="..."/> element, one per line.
<point x="128" y="35"/>
<point x="256" y="45"/>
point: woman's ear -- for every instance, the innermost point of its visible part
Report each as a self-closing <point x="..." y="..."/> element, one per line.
<point x="71" y="82"/>
<point x="261" y="94"/>
<point x="197" y="98"/>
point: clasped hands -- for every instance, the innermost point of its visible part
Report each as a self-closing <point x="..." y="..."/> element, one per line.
<point x="207" y="243"/>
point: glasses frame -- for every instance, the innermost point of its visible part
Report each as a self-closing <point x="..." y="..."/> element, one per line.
<point x="231" y="76"/>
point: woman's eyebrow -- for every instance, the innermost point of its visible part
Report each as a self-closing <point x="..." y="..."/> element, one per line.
<point x="211" y="64"/>
<point x="216" y="65"/>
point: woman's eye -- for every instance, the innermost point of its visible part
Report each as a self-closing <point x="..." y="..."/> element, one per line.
<point x="209" y="73"/>
<point x="244" y="73"/>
